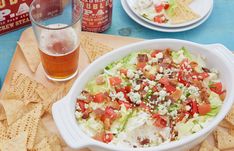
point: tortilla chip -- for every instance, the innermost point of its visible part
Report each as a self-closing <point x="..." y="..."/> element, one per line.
<point x="28" y="123"/>
<point x="2" y="132"/>
<point x="12" y="109"/>
<point x="31" y="54"/>
<point x="54" y="143"/>
<point x="231" y="132"/>
<point x="230" y="116"/>
<point x="25" y="88"/>
<point x="93" y="48"/>
<point x="17" y="143"/>
<point x="224" y="123"/>
<point x="186" y="2"/>
<point x="224" y="139"/>
<point x="43" y="145"/>
<point x="182" y="13"/>
<point x="41" y="133"/>
<point x="2" y="113"/>
<point x="206" y="146"/>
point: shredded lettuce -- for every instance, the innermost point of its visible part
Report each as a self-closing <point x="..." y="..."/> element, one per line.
<point x="172" y="7"/>
<point x="179" y="56"/>
<point x="216" y="104"/>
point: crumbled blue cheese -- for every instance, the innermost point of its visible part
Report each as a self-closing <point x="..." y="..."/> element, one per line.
<point x="162" y="94"/>
<point x="137" y="87"/>
<point x="120" y="96"/>
<point x="130" y="74"/>
<point x="147" y="68"/>
<point x="161" y="69"/>
<point x="193" y="90"/>
<point x="78" y="115"/>
<point x="146" y="88"/>
<point x="81" y="97"/>
<point x="173" y="113"/>
<point x="159" y="76"/>
<point x="135" y="97"/>
<point x="187" y="108"/>
<point x="162" y="109"/>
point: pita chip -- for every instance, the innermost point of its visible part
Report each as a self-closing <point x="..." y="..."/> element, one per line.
<point x="93" y="48"/>
<point x="2" y="113"/>
<point x="43" y="146"/>
<point x="27" y="123"/>
<point x="12" y="109"/>
<point x="224" y="139"/>
<point x="16" y="143"/>
<point x="31" y="54"/>
<point x="230" y="116"/>
<point x="206" y="146"/>
<point x="224" y="123"/>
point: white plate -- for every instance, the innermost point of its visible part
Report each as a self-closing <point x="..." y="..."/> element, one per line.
<point x="132" y="15"/>
<point x="201" y="7"/>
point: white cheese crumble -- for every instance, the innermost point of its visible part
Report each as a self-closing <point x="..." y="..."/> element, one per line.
<point x="193" y="90"/>
<point x="120" y="96"/>
<point x="135" y="97"/>
<point x="130" y="74"/>
<point x="81" y="97"/>
<point x="187" y="108"/>
<point x="159" y="76"/>
<point x="137" y="87"/>
<point x="147" y="68"/>
<point x="162" y="110"/>
<point x="162" y="94"/>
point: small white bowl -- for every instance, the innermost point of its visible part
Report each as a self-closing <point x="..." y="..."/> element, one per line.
<point x="217" y="56"/>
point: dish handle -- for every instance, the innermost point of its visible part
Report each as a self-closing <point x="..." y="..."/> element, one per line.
<point x="221" y="49"/>
<point x="63" y="123"/>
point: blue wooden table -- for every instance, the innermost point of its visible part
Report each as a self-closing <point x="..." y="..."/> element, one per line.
<point x="219" y="28"/>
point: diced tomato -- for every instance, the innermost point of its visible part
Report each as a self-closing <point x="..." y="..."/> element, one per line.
<point x="152" y="77"/>
<point x="159" y="8"/>
<point x="128" y="88"/>
<point x="113" y="104"/>
<point x="120" y="89"/>
<point x="166" y="6"/>
<point x="194" y="107"/>
<point x="176" y="95"/>
<point x="124" y="71"/>
<point x="99" y="98"/>
<point x="154" y="53"/>
<point x="86" y="113"/>
<point x="107" y="137"/>
<point x="170" y="88"/>
<point x="203" y="75"/>
<point x="156" y="115"/>
<point x="158" y="19"/>
<point x="160" y="123"/>
<point x="81" y="105"/>
<point x="110" y="113"/>
<point x="155" y="89"/>
<point x="164" y="81"/>
<point x="144" y="106"/>
<point x="141" y="65"/>
<point x="115" y="81"/>
<point x="126" y="104"/>
<point x="203" y="109"/>
<point x="217" y="88"/>
<point x="99" y="113"/>
<point x="181" y="78"/>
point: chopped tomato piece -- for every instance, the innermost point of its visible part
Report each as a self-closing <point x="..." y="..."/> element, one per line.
<point x="115" y="81"/>
<point x="99" y="98"/>
<point x="156" y="115"/>
<point x="86" y="113"/>
<point x="154" y="53"/>
<point x="99" y="113"/>
<point x="160" y="123"/>
<point x="176" y="95"/>
<point x="155" y="89"/>
<point x="81" y="105"/>
<point x="126" y="104"/>
<point x="107" y="137"/>
<point x="203" y="109"/>
<point x="217" y="88"/>
<point x="128" y="88"/>
<point x="164" y="81"/>
<point x="159" y="8"/>
<point x="166" y="6"/>
<point x="113" y="104"/>
<point x="181" y="78"/>
<point x="110" y="113"/>
<point x="194" y="107"/>
<point x="124" y="71"/>
<point x="141" y="65"/>
<point x="158" y="19"/>
<point x="144" y="106"/>
<point x="203" y="75"/>
<point x="180" y="117"/>
<point x="152" y="77"/>
<point x="170" y="88"/>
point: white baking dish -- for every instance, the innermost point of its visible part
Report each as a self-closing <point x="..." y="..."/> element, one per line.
<point x="217" y="56"/>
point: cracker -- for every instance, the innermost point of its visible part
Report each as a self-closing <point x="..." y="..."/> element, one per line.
<point x="55" y="143"/>
<point x="2" y="113"/>
<point x="231" y="132"/>
<point x="93" y="48"/>
<point x="182" y="13"/>
<point x="224" y="123"/>
<point x="41" y="133"/>
<point x="224" y="139"/>
<point x="17" y="143"/>
<point x="43" y="145"/>
<point x="12" y="109"/>
<point x="28" y="123"/>
<point x="31" y="54"/>
<point x="2" y="131"/>
<point x="25" y="88"/>
<point x="230" y="116"/>
<point x="206" y="146"/>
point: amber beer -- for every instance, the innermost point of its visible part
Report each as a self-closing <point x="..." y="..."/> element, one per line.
<point x="59" y="51"/>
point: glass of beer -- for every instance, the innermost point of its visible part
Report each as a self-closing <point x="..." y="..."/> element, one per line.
<point x="57" y="26"/>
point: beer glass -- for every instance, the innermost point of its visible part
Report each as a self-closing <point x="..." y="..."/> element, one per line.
<point x="57" y="26"/>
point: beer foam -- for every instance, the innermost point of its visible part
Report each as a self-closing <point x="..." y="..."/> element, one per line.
<point x="58" y="42"/>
